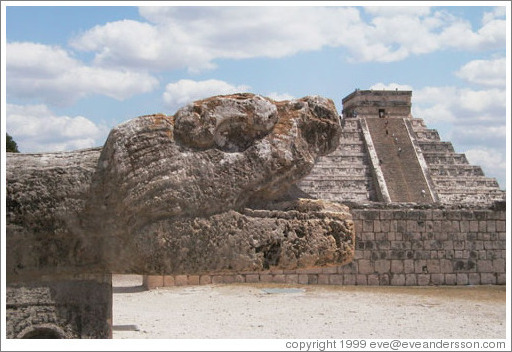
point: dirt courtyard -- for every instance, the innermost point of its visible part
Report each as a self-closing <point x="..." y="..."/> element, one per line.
<point x="270" y="311"/>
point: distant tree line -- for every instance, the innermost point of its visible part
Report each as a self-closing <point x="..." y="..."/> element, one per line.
<point x="11" y="145"/>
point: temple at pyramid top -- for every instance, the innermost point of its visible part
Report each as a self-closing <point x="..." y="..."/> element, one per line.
<point x="381" y="103"/>
<point x="387" y="155"/>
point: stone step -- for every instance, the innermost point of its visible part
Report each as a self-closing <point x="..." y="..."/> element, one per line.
<point x="436" y="147"/>
<point x="345" y="196"/>
<point x="462" y="183"/>
<point x="455" y="170"/>
<point x="337" y="173"/>
<point x="351" y="136"/>
<point x="418" y="124"/>
<point x="450" y="159"/>
<point x="470" y="198"/>
<point x="350" y="124"/>
<point x="427" y="135"/>
<point x="352" y="181"/>
<point x="360" y="159"/>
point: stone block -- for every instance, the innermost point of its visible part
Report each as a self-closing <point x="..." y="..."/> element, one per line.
<point x="450" y="279"/>
<point x="501" y="226"/>
<point x="464" y="226"/>
<point x="473" y="226"/>
<point x="381" y="236"/>
<point x="488" y="279"/>
<point x="397" y="267"/>
<point x="153" y="281"/>
<point x="384" y="280"/>
<point x="280" y="271"/>
<point x="393" y="226"/>
<point x="252" y="278"/>
<point x="385" y="226"/>
<point x="433" y="266"/>
<point x="309" y="271"/>
<point x="168" y="281"/>
<point x="397" y="280"/>
<point x="279" y="278"/>
<point x="462" y="279"/>
<point x="499" y="265"/>
<point x="501" y="279"/>
<point x="408" y="266"/>
<point x="361" y="279"/>
<point x="485" y="266"/>
<point x="312" y="279"/>
<point x="386" y="215"/>
<point x="412" y="226"/>
<point x="410" y="280"/>
<point x="491" y="226"/>
<point x="420" y="266"/>
<point x="482" y="226"/>
<point x="453" y="215"/>
<point x="349" y="279"/>
<point x="367" y="236"/>
<point x="489" y="244"/>
<point x="358" y="254"/>
<point x="205" y="279"/>
<point x="458" y="245"/>
<point x="368" y="226"/>
<point x="323" y="279"/>
<point x="330" y="270"/>
<point x="292" y="279"/>
<point x="193" y="279"/>
<point x="239" y="278"/>
<point x="217" y="279"/>
<point x="474" y="278"/>
<point x="229" y="279"/>
<point x="373" y="280"/>
<point x="180" y="280"/>
<point x="336" y="279"/>
<point x="437" y="279"/>
<point x="376" y="226"/>
<point x="303" y="279"/>
<point x="365" y="266"/>
<point x="349" y="268"/>
<point x="382" y="266"/>
<point x="423" y="279"/>
<point x="445" y="266"/>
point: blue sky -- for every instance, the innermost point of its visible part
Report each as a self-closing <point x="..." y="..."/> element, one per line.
<point x="74" y="72"/>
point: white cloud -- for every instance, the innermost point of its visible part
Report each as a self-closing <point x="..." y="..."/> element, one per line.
<point x="280" y="97"/>
<point x="459" y="35"/>
<point x="497" y="12"/>
<point x="186" y="91"/>
<point x="484" y="72"/>
<point x="463" y="104"/>
<point x="390" y="86"/>
<point x="35" y="128"/>
<point x="49" y="73"/>
<point x="193" y="37"/>
<point x="392" y="11"/>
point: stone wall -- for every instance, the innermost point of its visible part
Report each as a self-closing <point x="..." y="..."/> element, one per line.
<point x="400" y="246"/>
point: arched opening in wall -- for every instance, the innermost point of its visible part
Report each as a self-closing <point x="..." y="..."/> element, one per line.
<point x="44" y="332"/>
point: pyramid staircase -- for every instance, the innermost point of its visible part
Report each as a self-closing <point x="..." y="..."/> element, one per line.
<point x="345" y="174"/>
<point x="398" y="160"/>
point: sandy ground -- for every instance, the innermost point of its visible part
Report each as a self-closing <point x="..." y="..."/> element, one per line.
<point x="270" y="311"/>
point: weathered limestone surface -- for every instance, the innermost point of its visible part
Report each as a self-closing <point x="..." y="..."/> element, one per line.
<point x="180" y="194"/>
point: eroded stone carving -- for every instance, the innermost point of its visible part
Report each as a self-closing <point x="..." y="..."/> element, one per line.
<point x="204" y="190"/>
